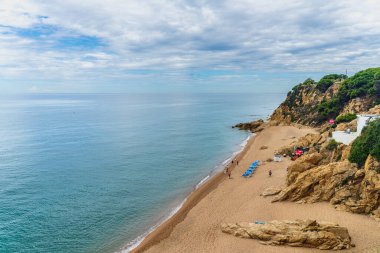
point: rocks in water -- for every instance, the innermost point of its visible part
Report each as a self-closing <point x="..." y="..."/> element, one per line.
<point x="271" y="191"/>
<point x="299" y="233"/>
<point x="254" y="126"/>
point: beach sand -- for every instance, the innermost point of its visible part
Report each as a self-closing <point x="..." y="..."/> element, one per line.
<point x="196" y="227"/>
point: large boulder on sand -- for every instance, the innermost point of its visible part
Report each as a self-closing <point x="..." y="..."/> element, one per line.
<point x="368" y="190"/>
<point x="302" y="164"/>
<point x="318" y="183"/>
<point x="299" y="233"/>
<point x="342" y="183"/>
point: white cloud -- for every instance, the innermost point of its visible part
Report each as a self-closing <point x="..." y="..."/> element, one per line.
<point x="290" y="35"/>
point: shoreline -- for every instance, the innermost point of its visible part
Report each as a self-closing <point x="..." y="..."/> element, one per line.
<point x="201" y="190"/>
<point x="196" y="226"/>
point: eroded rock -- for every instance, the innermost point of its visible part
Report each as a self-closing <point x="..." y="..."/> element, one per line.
<point x="271" y="191"/>
<point x="254" y="126"/>
<point x="302" y="164"/>
<point x="318" y="183"/>
<point x="299" y="233"/>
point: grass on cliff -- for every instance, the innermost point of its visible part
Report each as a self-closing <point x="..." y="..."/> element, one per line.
<point x="348" y="117"/>
<point x="327" y="81"/>
<point x="368" y="143"/>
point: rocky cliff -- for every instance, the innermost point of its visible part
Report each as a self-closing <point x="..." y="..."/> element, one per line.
<point x="325" y="173"/>
<point x="313" y="103"/>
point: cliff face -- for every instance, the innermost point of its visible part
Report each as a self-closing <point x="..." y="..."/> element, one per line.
<point x="301" y="105"/>
<point x="313" y="103"/>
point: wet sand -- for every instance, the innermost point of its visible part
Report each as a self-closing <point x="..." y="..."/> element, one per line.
<point x="196" y="227"/>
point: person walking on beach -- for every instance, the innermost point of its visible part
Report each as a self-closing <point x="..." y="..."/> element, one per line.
<point x="270" y="173"/>
<point x="229" y="173"/>
<point x="237" y="162"/>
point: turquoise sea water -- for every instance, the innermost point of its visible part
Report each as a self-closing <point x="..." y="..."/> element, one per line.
<point x="90" y="173"/>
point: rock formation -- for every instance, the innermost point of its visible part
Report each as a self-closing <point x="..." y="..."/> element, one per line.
<point x="299" y="233"/>
<point x="324" y="172"/>
<point x="342" y="183"/>
<point x="302" y="164"/>
<point x="254" y="126"/>
<point x="318" y="183"/>
<point x="271" y="191"/>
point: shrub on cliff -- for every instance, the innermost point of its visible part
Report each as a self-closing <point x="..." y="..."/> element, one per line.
<point x="333" y="144"/>
<point x="327" y="81"/>
<point x="368" y="143"/>
<point x="328" y="109"/>
<point x="294" y="96"/>
<point x="363" y="83"/>
<point x="345" y="118"/>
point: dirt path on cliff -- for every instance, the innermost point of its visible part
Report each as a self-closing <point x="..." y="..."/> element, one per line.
<point x="238" y="199"/>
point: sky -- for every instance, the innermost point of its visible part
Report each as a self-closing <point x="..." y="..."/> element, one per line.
<point x="182" y="45"/>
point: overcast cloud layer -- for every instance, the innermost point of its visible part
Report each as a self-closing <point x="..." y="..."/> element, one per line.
<point x="118" y="39"/>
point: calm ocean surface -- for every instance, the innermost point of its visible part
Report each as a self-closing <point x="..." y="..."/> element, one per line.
<point x="90" y="173"/>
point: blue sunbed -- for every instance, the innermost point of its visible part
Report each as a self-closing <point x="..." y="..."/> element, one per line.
<point x="251" y="169"/>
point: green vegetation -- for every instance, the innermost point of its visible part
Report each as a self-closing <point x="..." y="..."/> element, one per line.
<point x="327" y="81"/>
<point x="368" y="143"/>
<point x="345" y="118"/>
<point x="363" y="83"/>
<point x="294" y="94"/>
<point x="332" y="145"/>
<point x="376" y="88"/>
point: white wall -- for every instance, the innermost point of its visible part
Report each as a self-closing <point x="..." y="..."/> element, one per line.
<point x="347" y="138"/>
<point x="362" y="121"/>
<point x="343" y="137"/>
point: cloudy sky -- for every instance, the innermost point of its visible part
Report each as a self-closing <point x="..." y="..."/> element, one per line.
<point x="126" y="45"/>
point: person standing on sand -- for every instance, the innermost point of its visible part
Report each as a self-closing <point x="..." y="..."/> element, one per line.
<point x="228" y="173"/>
<point x="237" y="162"/>
<point x="270" y="173"/>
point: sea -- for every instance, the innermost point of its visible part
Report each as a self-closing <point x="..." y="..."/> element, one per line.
<point x="97" y="172"/>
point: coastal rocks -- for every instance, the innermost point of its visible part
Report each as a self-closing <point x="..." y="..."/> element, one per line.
<point x="358" y="105"/>
<point x="281" y="116"/>
<point x="341" y="183"/>
<point x="271" y="191"/>
<point x="365" y="191"/>
<point x="302" y="164"/>
<point x="254" y="126"/>
<point x="298" y="233"/>
<point x="349" y="125"/>
<point x="374" y="110"/>
<point x="346" y="152"/>
<point x="309" y="140"/>
<point x="300" y="106"/>
<point x="318" y="183"/>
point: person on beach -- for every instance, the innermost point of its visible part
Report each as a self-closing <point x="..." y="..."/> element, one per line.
<point x="237" y="162"/>
<point x="270" y="173"/>
<point x="228" y="172"/>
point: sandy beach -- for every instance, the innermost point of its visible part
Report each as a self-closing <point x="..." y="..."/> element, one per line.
<point x="196" y="227"/>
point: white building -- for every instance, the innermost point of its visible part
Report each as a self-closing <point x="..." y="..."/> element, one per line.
<point x="346" y="137"/>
